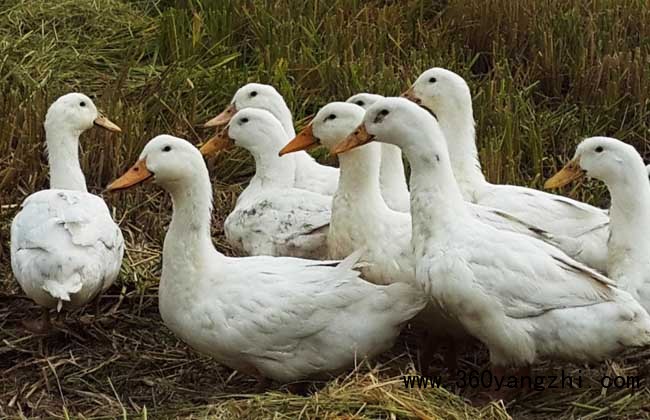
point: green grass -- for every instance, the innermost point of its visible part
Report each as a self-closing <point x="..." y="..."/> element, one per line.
<point x="544" y="74"/>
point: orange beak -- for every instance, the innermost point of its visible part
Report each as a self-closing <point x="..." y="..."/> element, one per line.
<point x="104" y="122"/>
<point x="359" y="137"/>
<point x="569" y="173"/>
<point x="137" y="174"/>
<point x="219" y="142"/>
<point x="303" y="141"/>
<point x="223" y="118"/>
<point x="410" y="95"/>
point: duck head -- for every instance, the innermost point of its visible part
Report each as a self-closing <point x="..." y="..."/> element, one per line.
<point x="333" y="123"/>
<point x="168" y="160"/>
<point x="604" y="158"/>
<point x="256" y="130"/>
<point x="364" y="100"/>
<point x="396" y="121"/>
<point x="441" y="91"/>
<point x="76" y="113"/>
<point x="253" y="95"/>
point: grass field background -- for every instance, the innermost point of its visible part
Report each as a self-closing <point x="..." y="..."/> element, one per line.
<point x="544" y="75"/>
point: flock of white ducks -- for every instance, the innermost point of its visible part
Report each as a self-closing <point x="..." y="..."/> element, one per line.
<point x="341" y="259"/>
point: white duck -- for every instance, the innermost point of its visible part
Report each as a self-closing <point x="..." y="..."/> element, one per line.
<point x="392" y="177"/>
<point x="309" y="174"/>
<point x="361" y="218"/>
<point x="582" y="228"/>
<point x="272" y="217"/>
<point x="523" y="298"/>
<point x="65" y="247"/>
<point x="621" y="167"/>
<point x="281" y="318"/>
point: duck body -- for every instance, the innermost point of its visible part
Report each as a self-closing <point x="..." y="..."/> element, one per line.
<point x="65" y="247"/>
<point x="543" y="321"/>
<point x="271" y="317"/>
<point x="579" y="229"/>
<point x="280" y="221"/>
<point x="271" y="216"/>
<point x="523" y="298"/>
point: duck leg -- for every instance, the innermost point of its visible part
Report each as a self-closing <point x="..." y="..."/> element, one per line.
<point x="428" y="346"/>
<point x="451" y="356"/>
<point x="39" y="326"/>
<point x="262" y="385"/>
<point x="298" y="388"/>
<point x="524" y="372"/>
<point x="494" y="393"/>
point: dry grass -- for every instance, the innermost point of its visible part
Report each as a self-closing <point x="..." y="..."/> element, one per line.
<point x="545" y="73"/>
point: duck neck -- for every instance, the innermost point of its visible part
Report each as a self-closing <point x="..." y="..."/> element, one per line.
<point x="629" y="215"/>
<point x="457" y="124"/>
<point x="359" y="178"/>
<point x="391" y="174"/>
<point x="273" y="171"/>
<point x="436" y="200"/>
<point x="63" y="159"/>
<point x="188" y="245"/>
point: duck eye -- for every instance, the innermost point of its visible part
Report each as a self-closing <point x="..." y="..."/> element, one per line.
<point x="167" y="148"/>
<point x="383" y="112"/>
<point x="360" y="103"/>
<point x="253" y="94"/>
<point x="599" y="149"/>
<point x="331" y="117"/>
<point x="432" y="80"/>
<point x="243" y="120"/>
<point x="82" y="103"/>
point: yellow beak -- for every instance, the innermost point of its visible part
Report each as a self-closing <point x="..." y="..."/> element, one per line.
<point x="570" y="172"/>
<point x="223" y="118"/>
<point x="359" y="137"/>
<point x="303" y="141"/>
<point x="219" y="142"/>
<point x="410" y="95"/>
<point x="136" y="174"/>
<point x="104" y="122"/>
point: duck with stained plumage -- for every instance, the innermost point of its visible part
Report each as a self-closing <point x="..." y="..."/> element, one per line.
<point x="271" y="216"/>
<point x="65" y="247"/>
